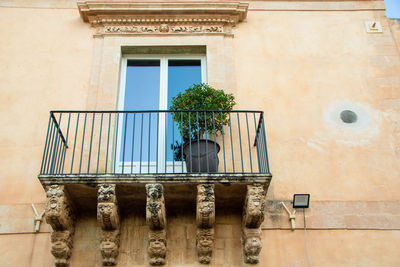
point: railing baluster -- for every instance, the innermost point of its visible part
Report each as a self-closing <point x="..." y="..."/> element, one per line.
<point x="265" y="145"/>
<point x="240" y="140"/>
<point x="165" y="143"/>
<point x="45" y="146"/>
<point x="198" y="140"/>
<point x="256" y="142"/>
<point x="98" y="150"/>
<point x="125" y="116"/>
<point x="230" y="129"/>
<point x="133" y="140"/>
<point x="91" y="139"/>
<point x="182" y="159"/>
<point x="59" y="155"/>
<point x="248" y="139"/>
<point x="108" y="142"/>
<point x="58" y="136"/>
<point x="116" y="144"/>
<point x="190" y="146"/>
<point x="173" y="145"/>
<point x="223" y="141"/>
<point x="148" y="152"/>
<point x="158" y="123"/>
<point x="76" y="133"/>
<point x="141" y="142"/>
<point x="215" y="143"/>
<point x="66" y="143"/>
<point x="83" y="142"/>
<point x="206" y="131"/>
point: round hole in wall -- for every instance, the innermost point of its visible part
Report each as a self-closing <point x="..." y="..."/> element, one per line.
<point x="348" y="116"/>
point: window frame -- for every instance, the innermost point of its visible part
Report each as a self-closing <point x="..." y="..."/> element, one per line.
<point x="163" y="105"/>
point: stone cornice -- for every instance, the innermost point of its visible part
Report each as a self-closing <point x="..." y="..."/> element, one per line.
<point x="128" y="17"/>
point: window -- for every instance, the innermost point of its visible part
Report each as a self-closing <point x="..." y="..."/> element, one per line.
<point x="148" y="83"/>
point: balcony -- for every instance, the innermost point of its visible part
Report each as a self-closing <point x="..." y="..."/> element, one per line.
<point x="140" y="146"/>
<point x="186" y="162"/>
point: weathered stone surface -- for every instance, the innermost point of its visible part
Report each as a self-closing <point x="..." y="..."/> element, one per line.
<point x="109" y="247"/>
<point x="205" y="213"/>
<point x="61" y="247"/>
<point x="205" y="244"/>
<point x="108" y="218"/>
<point x="59" y="213"/>
<point x="155" y="207"/>
<point x="253" y="211"/>
<point x="157" y="248"/>
<point x="107" y="207"/>
<point x="106" y="193"/>
<point x="251" y="244"/>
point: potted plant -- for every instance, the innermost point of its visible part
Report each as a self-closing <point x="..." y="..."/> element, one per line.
<point x="197" y="126"/>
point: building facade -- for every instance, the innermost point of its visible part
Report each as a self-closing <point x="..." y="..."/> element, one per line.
<point x="317" y="82"/>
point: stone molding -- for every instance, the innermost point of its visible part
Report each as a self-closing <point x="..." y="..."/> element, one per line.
<point x="108" y="218"/>
<point x="157" y="222"/>
<point x="60" y="216"/>
<point x="162" y="18"/>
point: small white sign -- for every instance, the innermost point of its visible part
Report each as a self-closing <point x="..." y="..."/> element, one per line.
<point x="373" y="26"/>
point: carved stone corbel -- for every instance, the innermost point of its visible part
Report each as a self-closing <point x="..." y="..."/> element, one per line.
<point x="155" y="207"/>
<point x="205" y="215"/>
<point x="254" y="206"/>
<point x="205" y="244"/>
<point x="253" y="216"/>
<point x="109" y="247"/>
<point x="157" y="249"/>
<point x="107" y="207"/>
<point x="61" y="247"/>
<point x="252" y="244"/>
<point x="108" y="218"/>
<point x="205" y="218"/>
<point x="59" y="214"/>
<point x="156" y="220"/>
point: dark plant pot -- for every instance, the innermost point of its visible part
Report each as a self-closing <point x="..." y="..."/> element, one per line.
<point x="208" y="151"/>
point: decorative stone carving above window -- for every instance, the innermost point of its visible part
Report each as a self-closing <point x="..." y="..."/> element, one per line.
<point x="162" y="18"/>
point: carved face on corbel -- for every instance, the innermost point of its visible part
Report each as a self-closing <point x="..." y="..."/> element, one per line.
<point x="206" y="209"/>
<point x="61" y="244"/>
<point x="205" y="237"/>
<point x="207" y="192"/>
<point x="157" y="244"/>
<point x="154" y="191"/>
<point x="252" y="248"/>
<point x="106" y="208"/>
<point x="109" y="246"/>
<point x="256" y="198"/>
<point x="55" y="197"/>
<point x="106" y="192"/>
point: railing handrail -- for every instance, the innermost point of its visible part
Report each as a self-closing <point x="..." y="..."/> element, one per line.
<point x="154" y="111"/>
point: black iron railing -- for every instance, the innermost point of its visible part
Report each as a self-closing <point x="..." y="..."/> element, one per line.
<point x="154" y="142"/>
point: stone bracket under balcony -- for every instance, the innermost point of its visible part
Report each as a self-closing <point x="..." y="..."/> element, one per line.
<point x="202" y="195"/>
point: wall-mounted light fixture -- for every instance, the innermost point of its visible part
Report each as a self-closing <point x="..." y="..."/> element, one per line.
<point x="301" y="201"/>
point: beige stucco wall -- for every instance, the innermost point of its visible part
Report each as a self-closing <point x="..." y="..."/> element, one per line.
<point x="300" y="67"/>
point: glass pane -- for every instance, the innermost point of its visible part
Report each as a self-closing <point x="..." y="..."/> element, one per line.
<point x="139" y="130"/>
<point x="181" y="75"/>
